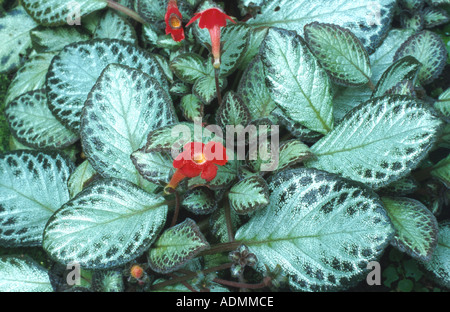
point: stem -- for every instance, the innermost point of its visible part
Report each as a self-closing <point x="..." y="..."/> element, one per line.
<point x="134" y="15"/>
<point x="265" y="282"/>
<point x="216" y="76"/>
<point x="228" y="222"/>
<point x="177" y="208"/>
<point x="186" y="277"/>
<point x="219" y="248"/>
<point x="371" y="85"/>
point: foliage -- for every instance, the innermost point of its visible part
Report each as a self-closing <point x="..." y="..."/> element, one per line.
<point x="335" y="123"/>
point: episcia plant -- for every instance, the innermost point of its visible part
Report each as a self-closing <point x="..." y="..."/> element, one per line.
<point x="159" y="145"/>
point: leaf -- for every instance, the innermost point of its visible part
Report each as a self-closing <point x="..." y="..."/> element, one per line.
<point x="442" y="171"/>
<point x="155" y="10"/>
<point x="59" y="12"/>
<point x="31" y="76"/>
<point x="296" y="81"/>
<point x="199" y="201"/>
<point x="33" y="185"/>
<point x="18" y="274"/>
<point x="405" y="68"/>
<point x="15" y="38"/>
<point x="340" y="53"/>
<point x="439" y="265"/>
<point x="156" y="167"/>
<point x="218" y="223"/>
<point x="378" y="142"/>
<point x="54" y="39"/>
<point x="225" y="176"/>
<point x="415" y="225"/>
<point x="108" y="224"/>
<point x="249" y="195"/>
<point x="189" y="67"/>
<point x="429" y="49"/>
<point x="443" y="104"/>
<point x="191" y="107"/>
<point x="293" y="152"/>
<point x="253" y="91"/>
<point x="176" y="246"/>
<point x="232" y="112"/>
<point x="405" y="186"/>
<point x="296" y="129"/>
<point x="32" y="123"/>
<point x="234" y="39"/>
<point x="75" y="70"/>
<point x="413" y="21"/>
<point x="411" y="5"/>
<point x="80" y="178"/>
<point x="122" y="108"/>
<point x="205" y="87"/>
<point x="368" y="20"/>
<point x="321" y="229"/>
<point x="113" y="26"/>
<point x="435" y="17"/>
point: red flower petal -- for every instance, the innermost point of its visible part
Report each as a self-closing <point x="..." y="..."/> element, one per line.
<point x="209" y="172"/>
<point x="216" y="153"/>
<point x="190" y="169"/>
<point x="173" y="16"/>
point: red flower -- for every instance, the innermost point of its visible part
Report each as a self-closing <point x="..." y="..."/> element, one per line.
<point x="173" y="20"/>
<point x="212" y="19"/>
<point x="198" y="159"/>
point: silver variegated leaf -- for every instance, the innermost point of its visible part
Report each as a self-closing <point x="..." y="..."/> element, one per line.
<point x="232" y="112"/>
<point x="416" y="227"/>
<point x="249" y="195"/>
<point x="176" y="246"/>
<point x="205" y="87"/>
<point x="435" y="17"/>
<point x="368" y="20"/>
<point x="405" y="68"/>
<point x="54" y="39"/>
<point x="80" y="178"/>
<point x="59" y="12"/>
<point x="108" y="224"/>
<point x="15" y="38"/>
<point x="192" y="107"/>
<point x="199" y="201"/>
<point x="296" y="81"/>
<point x="155" y="10"/>
<point x="378" y="142"/>
<point x="296" y="129"/>
<point x="321" y="229"/>
<point x="226" y="175"/>
<point x="402" y="187"/>
<point x="345" y="99"/>
<point x="75" y="70"/>
<point x="234" y="39"/>
<point x="189" y="67"/>
<point x="113" y="26"/>
<point x="257" y="36"/>
<point x="414" y="21"/>
<point x="23" y="274"/>
<point x="33" y="124"/>
<point x="293" y="152"/>
<point x="123" y="107"/>
<point x="429" y="49"/>
<point x="33" y="185"/>
<point x="443" y="104"/>
<point x="442" y="171"/>
<point x="439" y="265"/>
<point x="154" y="166"/>
<point x="31" y="76"/>
<point x="411" y="5"/>
<point x="339" y="52"/>
<point x="218" y="223"/>
<point x="253" y="91"/>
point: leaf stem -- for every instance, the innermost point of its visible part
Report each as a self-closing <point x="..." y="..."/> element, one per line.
<point x="118" y="7"/>
<point x="216" y="76"/>
<point x="371" y="85"/>
<point x="177" y="208"/>
<point x="219" y="248"/>
<point x="228" y="222"/>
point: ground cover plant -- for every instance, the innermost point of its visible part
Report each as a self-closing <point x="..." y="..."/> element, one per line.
<point x="194" y="145"/>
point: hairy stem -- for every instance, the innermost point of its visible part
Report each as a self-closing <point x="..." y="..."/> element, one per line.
<point x="118" y="7"/>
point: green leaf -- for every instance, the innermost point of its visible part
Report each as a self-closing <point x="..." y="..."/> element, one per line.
<point x="75" y="70"/>
<point x="405" y="68"/>
<point x="415" y="225"/>
<point x="59" y="12"/>
<point x="411" y="5"/>
<point x="402" y="187"/>
<point x="54" y="39"/>
<point x="199" y="201"/>
<point x="249" y="195"/>
<point x="435" y="17"/>
<point x="80" y="178"/>
<point x="19" y="274"/>
<point x="232" y="112"/>
<point x="191" y="107"/>
<point x="176" y="246"/>
<point x="156" y="167"/>
<point x="429" y="49"/>
<point x="442" y="171"/>
<point x="155" y="10"/>
<point x="108" y="224"/>
<point x="122" y="108"/>
<point x="218" y="223"/>
<point x="443" y="104"/>
<point x="32" y="123"/>
<point x="321" y="229"/>
<point x="296" y="81"/>
<point x="293" y="152"/>
<point x="253" y="91"/>
<point x="439" y="265"/>
<point x="113" y="26"/>
<point x="413" y="21"/>
<point x="189" y="67"/>
<point x="339" y="52"/>
<point x="205" y="87"/>
<point x="15" y="38"/>
<point x="33" y="185"/>
<point x="369" y="21"/>
<point x="234" y="39"/>
<point x="378" y="142"/>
